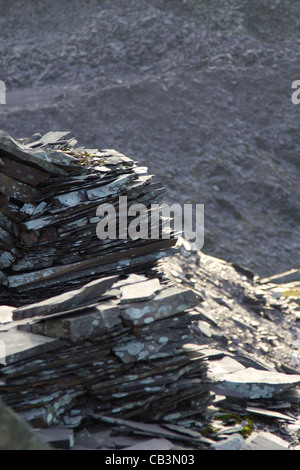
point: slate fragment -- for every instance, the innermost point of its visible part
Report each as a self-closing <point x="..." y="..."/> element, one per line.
<point x="17" y="190"/>
<point x="23" y="173"/>
<point x="150" y="429"/>
<point x="59" y="438"/>
<point x="77" y="327"/>
<point x="234" y="442"/>
<point x="283" y="278"/>
<point x="253" y="383"/>
<point x="89" y="293"/>
<point x="20" y="345"/>
<point x="260" y="411"/>
<point x="140" y="292"/>
<point x="265" y="441"/>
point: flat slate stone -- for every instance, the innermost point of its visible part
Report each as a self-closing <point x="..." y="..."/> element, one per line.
<point x="85" y="295"/>
<point x="166" y="303"/>
<point x="226" y="365"/>
<point x="266" y="441"/>
<point x="60" y="438"/>
<point x="99" y="320"/>
<point x="24" y="173"/>
<point x="17" y="190"/>
<point x="6" y="259"/>
<point x="21" y="345"/>
<point x="140" y="292"/>
<point x="269" y="413"/>
<point x="234" y="442"/>
<point x="6" y="240"/>
<point x="148" y="429"/>
<point x="253" y="383"/>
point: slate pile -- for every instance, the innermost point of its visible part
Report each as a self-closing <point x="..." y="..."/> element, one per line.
<point x="49" y="193"/>
<point x="249" y="331"/>
<point x="126" y="352"/>
<point x="88" y="327"/>
<point x="103" y="348"/>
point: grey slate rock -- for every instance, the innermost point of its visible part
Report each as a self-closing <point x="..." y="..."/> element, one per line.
<point x="21" y="345"/>
<point x="272" y="414"/>
<point x="124" y="367"/>
<point x="255" y="384"/>
<point x="166" y="303"/>
<point x="59" y="438"/>
<point x="99" y="320"/>
<point x="86" y="295"/>
<point x="140" y="292"/>
<point x="234" y="442"/>
<point x="265" y="441"/>
<point x="128" y="347"/>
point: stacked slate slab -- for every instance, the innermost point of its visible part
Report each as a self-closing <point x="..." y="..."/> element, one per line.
<point x="49" y="193"/>
<point x="105" y="353"/>
<point x="88" y="327"/>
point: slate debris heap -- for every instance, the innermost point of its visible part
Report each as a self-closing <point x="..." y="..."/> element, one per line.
<point x="97" y="333"/>
<point x="89" y="327"/>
